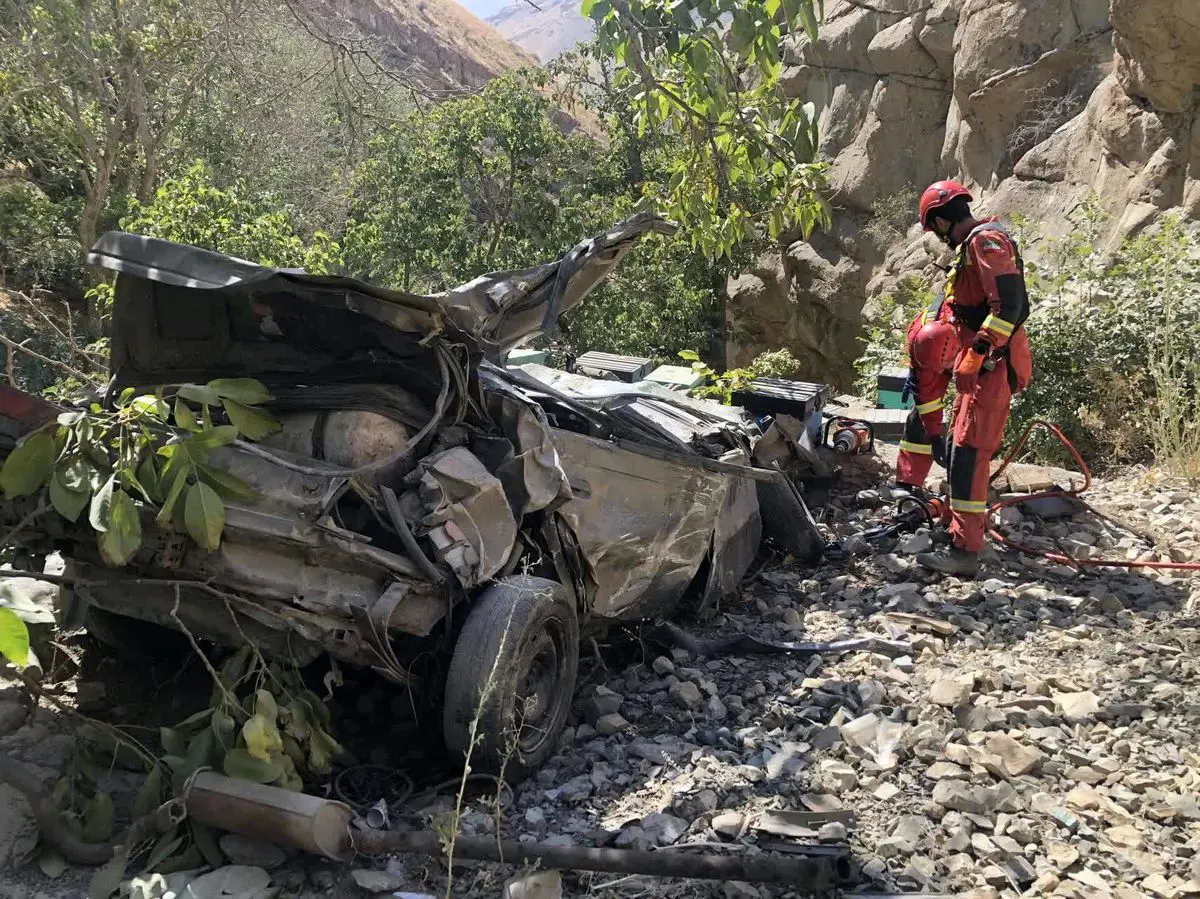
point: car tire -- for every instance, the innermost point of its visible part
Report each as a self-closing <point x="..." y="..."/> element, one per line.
<point x="521" y="687"/>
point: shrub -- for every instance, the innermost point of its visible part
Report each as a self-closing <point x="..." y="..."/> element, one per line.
<point x="1114" y="344"/>
<point x="886" y="326"/>
<point x="192" y="209"/>
<point x="38" y="247"/>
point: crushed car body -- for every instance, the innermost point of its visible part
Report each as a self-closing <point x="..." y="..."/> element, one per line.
<point x="419" y="490"/>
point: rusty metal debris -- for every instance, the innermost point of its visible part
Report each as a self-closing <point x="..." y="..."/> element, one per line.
<point x="298" y="820"/>
<point x="333" y="830"/>
<point x="744" y="644"/>
<point x="816" y="873"/>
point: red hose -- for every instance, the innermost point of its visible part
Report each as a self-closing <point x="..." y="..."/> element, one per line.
<point x="1073" y="492"/>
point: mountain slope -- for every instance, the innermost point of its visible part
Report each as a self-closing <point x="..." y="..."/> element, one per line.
<point x="547" y="32"/>
<point x="436" y="43"/>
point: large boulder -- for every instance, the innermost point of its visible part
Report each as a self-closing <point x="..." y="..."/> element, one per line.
<point x="1158" y="51"/>
<point x="805" y="297"/>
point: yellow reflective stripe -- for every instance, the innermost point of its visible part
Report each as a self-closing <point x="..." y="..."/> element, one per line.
<point x="967" y="505"/>
<point x="932" y="406"/>
<point x="925" y="449"/>
<point x="999" y="325"/>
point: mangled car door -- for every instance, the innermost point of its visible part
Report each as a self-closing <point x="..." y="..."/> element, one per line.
<point x="644" y="524"/>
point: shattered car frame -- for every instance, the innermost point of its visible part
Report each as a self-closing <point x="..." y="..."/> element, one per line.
<point x="423" y="502"/>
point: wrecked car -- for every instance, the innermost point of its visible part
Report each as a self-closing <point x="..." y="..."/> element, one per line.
<point x="425" y="511"/>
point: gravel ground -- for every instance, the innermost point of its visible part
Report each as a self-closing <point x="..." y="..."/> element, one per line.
<point x="1038" y="739"/>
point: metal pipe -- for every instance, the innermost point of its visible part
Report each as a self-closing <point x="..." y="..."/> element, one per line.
<point x="316" y="825"/>
<point x="422" y="561"/>
<point x="804" y="873"/>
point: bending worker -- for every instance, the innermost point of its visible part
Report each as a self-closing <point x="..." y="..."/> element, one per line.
<point x="972" y="334"/>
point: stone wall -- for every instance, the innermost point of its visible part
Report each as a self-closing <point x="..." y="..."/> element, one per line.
<point x="1031" y="103"/>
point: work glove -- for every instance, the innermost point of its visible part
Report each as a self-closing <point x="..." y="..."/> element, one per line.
<point x="910" y="387"/>
<point x="939" y="449"/>
<point x="966" y="373"/>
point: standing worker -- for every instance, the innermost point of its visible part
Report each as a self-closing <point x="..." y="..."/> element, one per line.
<point x="972" y="333"/>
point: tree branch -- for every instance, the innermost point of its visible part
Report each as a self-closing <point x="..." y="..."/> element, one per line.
<point x="71" y="370"/>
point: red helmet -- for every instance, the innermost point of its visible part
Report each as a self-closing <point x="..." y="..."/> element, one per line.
<point x="936" y="346"/>
<point x="939" y="194"/>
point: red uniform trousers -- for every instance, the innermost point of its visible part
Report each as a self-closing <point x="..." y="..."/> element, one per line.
<point x="916" y="454"/>
<point x="979" y="420"/>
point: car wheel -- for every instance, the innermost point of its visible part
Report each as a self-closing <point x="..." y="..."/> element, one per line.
<point x="514" y="667"/>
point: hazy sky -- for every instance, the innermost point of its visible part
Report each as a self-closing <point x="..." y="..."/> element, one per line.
<point x="485" y="8"/>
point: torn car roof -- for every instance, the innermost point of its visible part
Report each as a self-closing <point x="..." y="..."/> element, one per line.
<point x="184" y="312"/>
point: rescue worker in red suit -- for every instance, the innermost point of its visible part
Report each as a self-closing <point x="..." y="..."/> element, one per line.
<point x="972" y="334"/>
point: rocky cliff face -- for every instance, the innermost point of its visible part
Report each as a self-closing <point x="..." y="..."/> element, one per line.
<point x="547" y="31"/>
<point x="1031" y="103"/>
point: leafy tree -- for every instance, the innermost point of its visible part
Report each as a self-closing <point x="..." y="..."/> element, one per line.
<point x="476" y="184"/>
<point x="113" y="81"/>
<point x="748" y="162"/>
<point x="191" y="209"/>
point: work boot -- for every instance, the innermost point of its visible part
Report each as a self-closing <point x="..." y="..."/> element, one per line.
<point x="954" y="561"/>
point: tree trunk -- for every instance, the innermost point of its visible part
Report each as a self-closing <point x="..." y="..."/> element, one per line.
<point x="89" y="221"/>
<point x="720" y="333"/>
<point x="149" y="174"/>
<point x="89" y="225"/>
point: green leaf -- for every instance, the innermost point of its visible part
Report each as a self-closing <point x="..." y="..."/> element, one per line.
<point x="265" y="705"/>
<point x="107" y="880"/>
<point x="51" y="863"/>
<point x="166" y="846"/>
<point x="148" y="478"/>
<point x="29" y="465"/>
<point x="98" y="819"/>
<point x="199" y="718"/>
<point x="223" y="727"/>
<point x="188" y="860"/>
<point x="254" y="424"/>
<point x="121" y="541"/>
<point x="242" y="390"/>
<point x="14" y="638"/>
<point x="297" y="719"/>
<point x="174" y="481"/>
<point x="149" y="795"/>
<point x="67" y="502"/>
<point x="228" y="486"/>
<point x="262" y="738"/>
<point x="321" y="749"/>
<point x="76" y="474"/>
<point x="198" y="393"/>
<point x="204" y="516"/>
<point x="200" y="749"/>
<point x="173" y="742"/>
<point x="241" y="764"/>
<point x="206" y="842"/>
<point x="199" y="445"/>
<point x="185" y="417"/>
<point x="101" y="510"/>
<point x="151" y="405"/>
